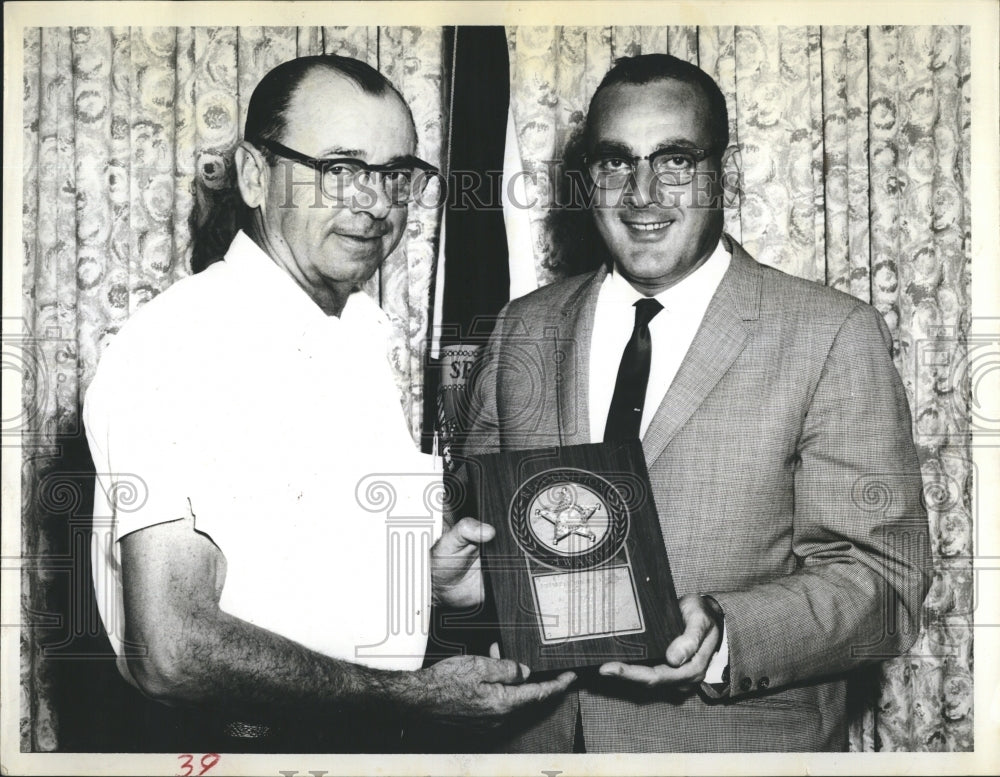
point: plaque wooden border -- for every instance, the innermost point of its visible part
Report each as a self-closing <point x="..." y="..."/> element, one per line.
<point x="578" y="543"/>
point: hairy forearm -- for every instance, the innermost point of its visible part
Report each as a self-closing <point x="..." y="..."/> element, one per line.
<point x="227" y="663"/>
<point x="218" y="660"/>
<point x="195" y="653"/>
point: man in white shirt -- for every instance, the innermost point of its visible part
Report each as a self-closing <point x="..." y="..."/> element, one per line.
<point x="765" y="405"/>
<point x="250" y="403"/>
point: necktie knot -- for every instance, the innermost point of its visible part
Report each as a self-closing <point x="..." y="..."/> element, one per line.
<point x="645" y="311"/>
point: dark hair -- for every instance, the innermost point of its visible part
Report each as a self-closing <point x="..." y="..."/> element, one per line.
<point x="647" y="68"/>
<point x="266" y="113"/>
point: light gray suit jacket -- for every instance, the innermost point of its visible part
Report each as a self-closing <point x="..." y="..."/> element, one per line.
<point x="787" y="486"/>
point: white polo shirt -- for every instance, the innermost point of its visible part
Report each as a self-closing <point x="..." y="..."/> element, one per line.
<point x="234" y="400"/>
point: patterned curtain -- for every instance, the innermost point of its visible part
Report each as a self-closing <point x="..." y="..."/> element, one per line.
<point x="129" y="186"/>
<point x="854" y="173"/>
<point x="855" y="170"/>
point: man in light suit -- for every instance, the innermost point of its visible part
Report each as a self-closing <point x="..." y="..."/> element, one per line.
<point x="771" y="417"/>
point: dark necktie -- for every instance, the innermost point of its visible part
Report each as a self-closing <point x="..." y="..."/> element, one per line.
<point x="625" y="414"/>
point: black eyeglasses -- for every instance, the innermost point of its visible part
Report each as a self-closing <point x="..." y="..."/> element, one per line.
<point x="402" y="181"/>
<point x="672" y="166"/>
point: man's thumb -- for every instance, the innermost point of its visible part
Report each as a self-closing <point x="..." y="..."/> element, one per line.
<point x="474" y="532"/>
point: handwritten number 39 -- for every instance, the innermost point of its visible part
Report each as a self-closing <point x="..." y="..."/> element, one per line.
<point x="187" y="763"/>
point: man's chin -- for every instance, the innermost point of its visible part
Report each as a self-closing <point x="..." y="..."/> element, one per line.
<point x="641" y="269"/>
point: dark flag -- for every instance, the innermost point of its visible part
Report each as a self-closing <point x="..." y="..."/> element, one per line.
<point x="475" y="280"/>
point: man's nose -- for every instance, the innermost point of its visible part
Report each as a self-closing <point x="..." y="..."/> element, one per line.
<point x="371" y="197"/>
<point x="639" y="189"/>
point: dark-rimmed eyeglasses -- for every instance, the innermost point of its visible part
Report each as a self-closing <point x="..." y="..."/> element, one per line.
<point x="402" y="181"/>
<point x="671" y="166"/>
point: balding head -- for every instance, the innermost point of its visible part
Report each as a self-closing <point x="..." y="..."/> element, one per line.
<point x="267" y="114"/>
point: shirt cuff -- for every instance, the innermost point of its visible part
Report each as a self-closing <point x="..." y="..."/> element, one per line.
<point x="717" y="666"/>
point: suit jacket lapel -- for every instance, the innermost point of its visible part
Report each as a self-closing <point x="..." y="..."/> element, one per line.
<point x="720" y="339"/>
<point x="576" y="324"/>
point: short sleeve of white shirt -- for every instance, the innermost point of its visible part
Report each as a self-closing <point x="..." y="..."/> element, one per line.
<point x="137" y="448"/>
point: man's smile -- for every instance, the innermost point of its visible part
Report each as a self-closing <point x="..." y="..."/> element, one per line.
<point x="647" y="226"/>
<point x="363" y="235"/>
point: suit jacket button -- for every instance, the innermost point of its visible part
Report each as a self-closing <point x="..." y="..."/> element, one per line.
<point x="763" y="682"/>
<point x="746" y="684"/>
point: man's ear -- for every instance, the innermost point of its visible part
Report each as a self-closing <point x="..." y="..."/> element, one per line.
<point x="732" y="175"/>
<point x="252" y="173"/>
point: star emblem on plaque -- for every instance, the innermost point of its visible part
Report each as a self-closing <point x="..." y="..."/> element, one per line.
<point x="568" y="509"/>
<point x="568" y="518"/>
<point x="577" y="572"/>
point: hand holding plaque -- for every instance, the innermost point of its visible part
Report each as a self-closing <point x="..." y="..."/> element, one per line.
<point x="578" y="572"/>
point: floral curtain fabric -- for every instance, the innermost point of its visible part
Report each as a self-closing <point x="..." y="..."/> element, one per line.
<point x="854" y="172"/>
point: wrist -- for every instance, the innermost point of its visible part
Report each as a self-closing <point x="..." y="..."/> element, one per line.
<point x="399" y="691"/>
<point x="717" y="676"/>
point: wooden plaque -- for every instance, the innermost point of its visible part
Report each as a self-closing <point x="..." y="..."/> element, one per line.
<point x="578" y="572"/>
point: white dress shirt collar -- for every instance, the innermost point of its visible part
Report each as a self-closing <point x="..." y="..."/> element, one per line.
<point x="690" y="293"/>
<point x="673" y="330"/>
<point x="289" y="301"/>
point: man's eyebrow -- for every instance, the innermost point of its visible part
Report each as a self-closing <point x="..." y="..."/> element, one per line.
<point x="612" y="147"/>
<point x="673" y="143"/>
<point x="623" y="149"/>
<point x="357" y="153"/>
<point x="405" y="159"/>
<point x="337" y="151"/>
